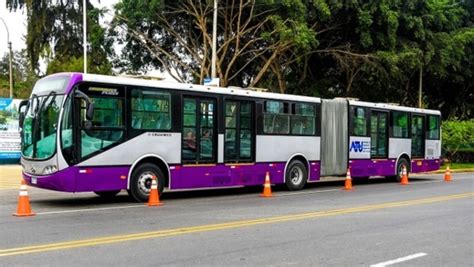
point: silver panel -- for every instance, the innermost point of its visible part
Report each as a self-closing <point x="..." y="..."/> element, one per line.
<point x="271" y="148"/>
<point x="166" y="145"/>
<point x="398" y="146"/>
<point x="334" y="137"/>
<point x="432" y="149"/>
<point x="220" y="148"/>
<point x="37" y="167"/>
<point x="359" y="147"/>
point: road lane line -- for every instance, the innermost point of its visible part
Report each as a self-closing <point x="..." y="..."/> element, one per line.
<point x="94" y="209"/>
<point x="221" y="226"/>
<point x="407" y="258"/>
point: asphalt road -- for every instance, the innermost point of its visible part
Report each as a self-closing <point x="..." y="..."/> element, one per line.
<point x="427" y="223"/>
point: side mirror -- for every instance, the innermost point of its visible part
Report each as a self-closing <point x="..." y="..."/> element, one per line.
<point x="22" y="109"/>
<point x="89" y="105"/>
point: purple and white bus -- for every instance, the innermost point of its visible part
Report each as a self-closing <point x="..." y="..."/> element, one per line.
<point x="84" y="132"/>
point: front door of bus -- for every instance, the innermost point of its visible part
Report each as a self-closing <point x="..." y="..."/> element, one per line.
<point x="378" y="134"/>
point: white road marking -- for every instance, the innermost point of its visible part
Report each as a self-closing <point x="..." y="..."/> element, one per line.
<point x="407" y="258"/>
<point x="305" y="193"/>
<point x="83" y="210"/>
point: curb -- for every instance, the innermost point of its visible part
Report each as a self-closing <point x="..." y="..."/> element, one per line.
<point x="454" y="170"/>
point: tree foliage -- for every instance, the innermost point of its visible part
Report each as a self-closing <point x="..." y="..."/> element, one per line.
<point x="372" y="50"/>
<point x="54" y="32"/>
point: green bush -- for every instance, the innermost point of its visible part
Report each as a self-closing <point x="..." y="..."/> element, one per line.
<point x="458" y="138"/>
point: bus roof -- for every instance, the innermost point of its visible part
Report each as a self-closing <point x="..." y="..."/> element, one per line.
<point x="393" y="107"/>
<point x="195" y="88"/>
<point x="239" y="92"/>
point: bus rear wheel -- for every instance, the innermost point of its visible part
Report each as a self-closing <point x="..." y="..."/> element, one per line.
<point x="140" y="183"/>
<point x="398" y="176"/>
<point x="296" y="175"/>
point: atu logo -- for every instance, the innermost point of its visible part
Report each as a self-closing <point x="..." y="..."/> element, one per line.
<point x="360" y="146"/>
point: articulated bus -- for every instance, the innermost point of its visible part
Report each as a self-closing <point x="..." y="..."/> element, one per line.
<point x="104" y="134"/>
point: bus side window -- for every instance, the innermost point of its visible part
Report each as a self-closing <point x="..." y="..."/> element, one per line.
<point x="400" y="124"/>
<point x="276" y="118"/>
<point x="151" y="109"/>
<point x="433" y="127"/>
<point x="359" y="121"/>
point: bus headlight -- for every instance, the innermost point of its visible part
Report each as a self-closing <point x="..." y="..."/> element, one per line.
<point x="50" y="169"/>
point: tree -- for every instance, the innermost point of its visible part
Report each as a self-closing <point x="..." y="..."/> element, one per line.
<point x="23" y="78"/>
<point x="54" y="32"/>
<point x="259" y="42"/>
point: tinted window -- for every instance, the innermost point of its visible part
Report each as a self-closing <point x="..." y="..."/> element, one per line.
<point x="359" y="121"/>
<point x="303" y="119"/>
<point x="400" y="124"/>
<point x="433" y="127"/>
<point x="151" y="110"/>
<point x="276" y="119"/>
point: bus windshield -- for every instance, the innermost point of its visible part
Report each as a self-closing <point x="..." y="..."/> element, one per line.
<point x="41" y="120"/>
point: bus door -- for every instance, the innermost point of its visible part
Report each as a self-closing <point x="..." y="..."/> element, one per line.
<point x="239" y="132"/>
<point x="417" y="142"/>
<point x="417" y="136"/>
<point x="199" y="133"/>
<point x="378" y="134"/>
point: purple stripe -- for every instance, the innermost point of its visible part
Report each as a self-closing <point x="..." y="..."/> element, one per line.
<point x="75" y="179"/>
<point x="369" y="167"/>
<point x="425" y="165"/>
<point x="75" y="78"/>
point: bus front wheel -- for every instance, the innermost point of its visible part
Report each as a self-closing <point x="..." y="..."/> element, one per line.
<point x="140" y="183"/>
<point x="296" y="175"/>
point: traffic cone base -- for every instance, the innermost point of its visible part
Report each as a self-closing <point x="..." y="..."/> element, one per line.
<point x="24" y="208"/>
<point x="447" y="175"/>
<point x="348" y="182"/>
<point x="267" y="187"/>
<point x="404" y="180"/>
<point x="154" y="199"/>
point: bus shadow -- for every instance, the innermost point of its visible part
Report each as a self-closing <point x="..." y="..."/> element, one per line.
<point x="87" y="199"/>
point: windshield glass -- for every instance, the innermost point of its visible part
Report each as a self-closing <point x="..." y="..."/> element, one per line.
<point x="39" y="126"/>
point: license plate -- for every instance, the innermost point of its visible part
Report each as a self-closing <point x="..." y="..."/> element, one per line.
<point x="34" y="180"/>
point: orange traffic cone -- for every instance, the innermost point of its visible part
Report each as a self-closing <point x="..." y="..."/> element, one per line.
<point x="447" y="175"/>
<point x="24" y="208"/>
<point x="348" y="183"/>
<point x="267" y="189"/>
<point x="154" y="199"/>
<point x="404" y="180"/>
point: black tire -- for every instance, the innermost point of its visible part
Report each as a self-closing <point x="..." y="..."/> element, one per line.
<point x="296" y="175"/>
<point x="398" y="176"/>
<point x="140" y="182"/>
<point x="107" y="194"/>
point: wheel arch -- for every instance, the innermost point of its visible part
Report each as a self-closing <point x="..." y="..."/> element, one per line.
<point x="301" y="157"/>
<point x="154" y="159"/>
<point x="403" y="155"/>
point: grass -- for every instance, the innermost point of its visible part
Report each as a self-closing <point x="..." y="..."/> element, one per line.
<point x="454" y="166"/>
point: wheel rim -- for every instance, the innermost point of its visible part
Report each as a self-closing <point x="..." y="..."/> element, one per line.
<point x="400" y="171"/>
<point x="296" y="175"/>
<point x="144" y="182"/>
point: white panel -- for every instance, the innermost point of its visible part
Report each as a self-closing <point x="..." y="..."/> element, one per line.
<point x="166" y="145"/>
<point x="220" y="148"/>
<point x="398" y="146"/>
<point x="432" y="149"/>
<point x="272" y="148"/>
<point x="359" y="147"/>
